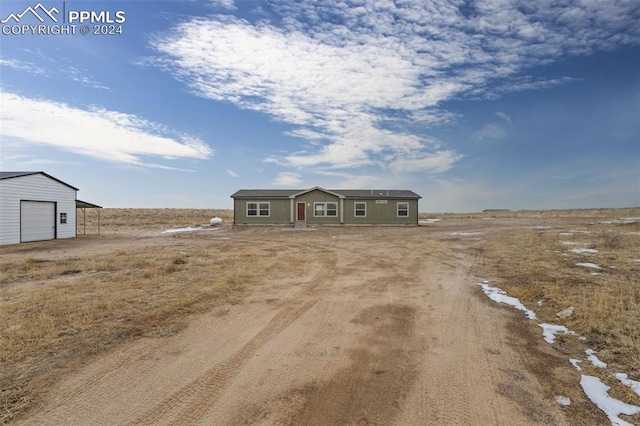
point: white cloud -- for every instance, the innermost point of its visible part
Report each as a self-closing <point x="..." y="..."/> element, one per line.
<point x="439" y="161"/>
<point x="490" y="132"/>
<point x="225" y="4"/>
<point x="82" y="77"/>
<point x="22" y="66"/>
<point x="504" y="116"/>
<point x="98" y="133"/>
<point x="287" y="179"/>
<point x="347" y="84"/>
<point x="232" y="173"/>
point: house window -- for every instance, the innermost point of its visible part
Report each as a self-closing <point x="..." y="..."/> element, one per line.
<point x="325" y="209"/>
<point x="63" y="218"/>
<point x="361" y="209"/>
<point x="258" y="209"/>
<point x="403" y="209"/>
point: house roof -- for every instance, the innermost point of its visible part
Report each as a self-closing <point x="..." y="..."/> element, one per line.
<point x="10" y="175"/>
<point x="345" y="193"/>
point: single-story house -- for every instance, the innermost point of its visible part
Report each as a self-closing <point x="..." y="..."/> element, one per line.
<point x="35" y="206"/>
<point x="325" y="206"/>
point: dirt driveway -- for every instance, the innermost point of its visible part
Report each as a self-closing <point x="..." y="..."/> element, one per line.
<point x="385" y="326"/>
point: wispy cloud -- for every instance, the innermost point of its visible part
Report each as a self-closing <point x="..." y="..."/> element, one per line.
<point x="490" y="132"/>
<point x="55" y="67"/>
<point x="504" y="116"/>
<point x="95" y="132"/>
<point x="225" y="4"/>
<point x="22" y="66"/>
<point x="232" y="173"/>
<point x="287" y="179"/>
<point x="344" y="76"/>
<point x="83" y="78"/>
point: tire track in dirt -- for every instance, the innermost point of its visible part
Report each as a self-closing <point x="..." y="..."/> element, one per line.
<point x="378" y="326"/>
<point x="195" y="399"/>
<point x="188" y="405"/>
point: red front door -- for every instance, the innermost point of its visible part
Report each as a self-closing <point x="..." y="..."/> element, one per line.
<point x="302" y="209"/>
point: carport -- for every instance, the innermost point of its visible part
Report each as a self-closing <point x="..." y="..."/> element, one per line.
<point x="83" y="205"/>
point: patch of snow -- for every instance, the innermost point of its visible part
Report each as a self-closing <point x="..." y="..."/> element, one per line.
<point x="544" y="227"/>
<point x="597" y="392"/>
<point x="583" y="250"/>
<point x="633" y="233"/>
<point x="625" y="380"/>
<point x="465" y="233"/>
<point x="595" y="273"/>
<point x="566" y="233"/>
<point x="591" y="356"/>
<point x="588" y="265"/>
<point x="429" y="220"/>
<point x="575" y="363"/>
<point x="498" y="295"/>
<point x="539" y="302"/>
<point x="177" y="230"/>
<point x="637" y="260"/>
<point x="568" y="243"/>
<point x="623" y="220"/>
<point x="549" y="331"/>
<point x="563" y="400"/>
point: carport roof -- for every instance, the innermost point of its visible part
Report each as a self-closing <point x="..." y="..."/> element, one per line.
<point x="86" y="205"/>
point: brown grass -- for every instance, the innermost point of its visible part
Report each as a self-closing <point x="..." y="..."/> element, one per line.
<point x="599" y="214"/>
<point x="538" y="264"/>
<point x="57" y="310"/>
<point x="114" y="220"/>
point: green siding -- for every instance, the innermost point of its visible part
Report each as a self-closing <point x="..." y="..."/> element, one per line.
<point x="319" y="196"/>
<point x="380" y="214"/>
<point x="279" y="213"/>
<point x="383" y="212"/>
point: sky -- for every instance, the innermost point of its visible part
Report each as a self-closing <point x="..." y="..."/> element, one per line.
<point x="471" y="104"/>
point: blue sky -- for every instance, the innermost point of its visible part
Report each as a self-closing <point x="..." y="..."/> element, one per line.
<point x="471" y="104"/>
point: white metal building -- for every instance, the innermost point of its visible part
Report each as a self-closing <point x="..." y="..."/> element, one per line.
<point x="35" y="206"/>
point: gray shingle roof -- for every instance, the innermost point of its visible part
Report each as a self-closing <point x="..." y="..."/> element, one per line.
<point x="347" y="193"/>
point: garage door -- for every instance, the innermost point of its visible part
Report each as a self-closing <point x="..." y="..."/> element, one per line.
<point x="37" y="221"/>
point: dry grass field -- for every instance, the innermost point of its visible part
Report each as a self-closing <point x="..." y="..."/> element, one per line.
<point x="64" y="302"/>
<point x="538" y="265"/>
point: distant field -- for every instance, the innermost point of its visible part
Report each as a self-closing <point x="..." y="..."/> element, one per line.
<point x="62" y="302"/>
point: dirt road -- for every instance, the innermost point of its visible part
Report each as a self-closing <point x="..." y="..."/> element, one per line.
<point x="386" y="326"/>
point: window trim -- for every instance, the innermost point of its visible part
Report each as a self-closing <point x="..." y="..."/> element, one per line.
<point x="325" y="209"/>
<point x="355" y="209"/>
<point x="406" y="203"/>
<point x="258" y="209"/>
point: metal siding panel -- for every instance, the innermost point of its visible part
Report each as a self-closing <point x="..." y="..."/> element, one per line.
<point x="35" y="187"/>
